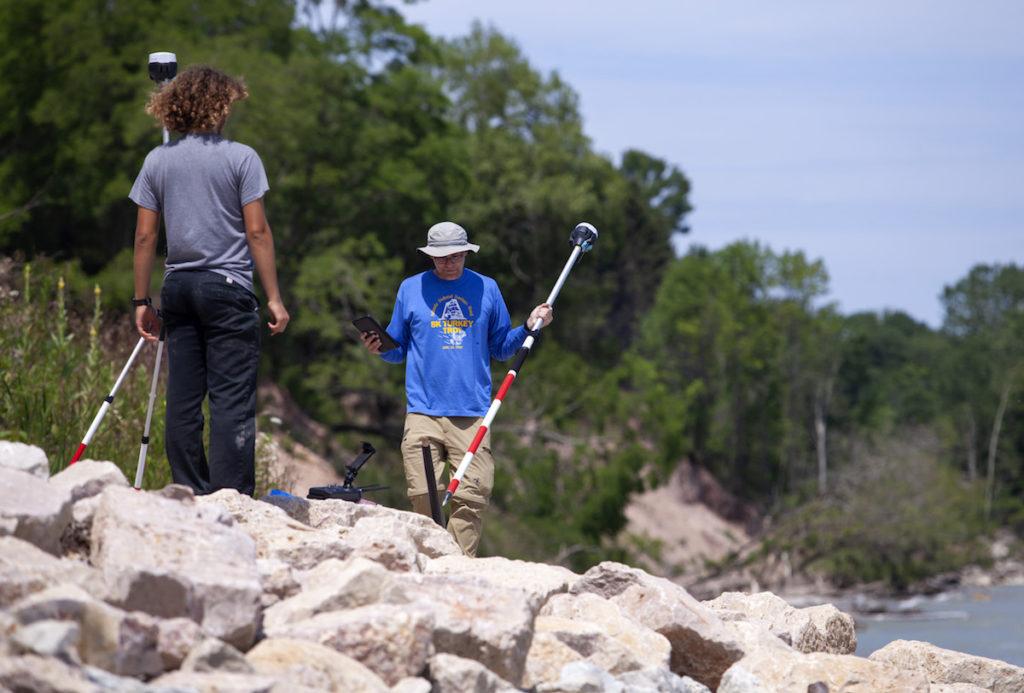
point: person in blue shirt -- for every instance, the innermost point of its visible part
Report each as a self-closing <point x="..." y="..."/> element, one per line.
<point x="449" y="322"/>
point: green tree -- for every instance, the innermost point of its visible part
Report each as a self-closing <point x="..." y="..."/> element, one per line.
<point x="985" y="318"/>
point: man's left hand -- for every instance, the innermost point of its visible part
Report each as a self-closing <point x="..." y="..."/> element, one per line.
<point x="544" y="312"/>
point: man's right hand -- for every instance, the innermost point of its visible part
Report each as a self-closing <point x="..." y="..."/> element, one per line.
<point x="280" y="317"/>
<point x="371" y="340"/>
<point x="147" y="323"/>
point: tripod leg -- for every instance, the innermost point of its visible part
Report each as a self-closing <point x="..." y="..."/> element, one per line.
<point x="428" y="470"/>
<point x="108" y="400"/>
<point x="141" y="468"/>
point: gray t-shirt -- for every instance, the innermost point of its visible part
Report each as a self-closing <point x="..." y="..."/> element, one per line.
<point x="200" y="184"/>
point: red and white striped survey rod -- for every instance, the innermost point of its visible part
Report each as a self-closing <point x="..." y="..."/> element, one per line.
<point x="582" y="239"/>
<point x="144" y="448"/>
<point x="106" y="403"/>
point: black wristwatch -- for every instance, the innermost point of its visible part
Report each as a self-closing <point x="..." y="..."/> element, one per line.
<point x="147" y="301"/>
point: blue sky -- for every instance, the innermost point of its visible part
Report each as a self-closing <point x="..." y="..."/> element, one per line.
<point x="882" y="137"/>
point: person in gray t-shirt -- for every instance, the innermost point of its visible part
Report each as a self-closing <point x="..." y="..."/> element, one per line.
<point x="210" y="192"/>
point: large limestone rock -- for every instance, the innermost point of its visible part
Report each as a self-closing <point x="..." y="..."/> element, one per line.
<point x="35" y="673"/>
<point x="24" y="458"/>
<point x="277" y="579"/>
<point x="452" y="674"/>
<point x="476" y="619"/>
<point x="278" y="536"/>
<point x="332" y="586"/>
<point x="628" y="645"/>
<point x="177" y="559"/>
<point x="703" y="647"/>
<point x="813" y="629"/>
<point x="314" y="666"/>
<point x="546" y="658"/>
<point x="25" y="569"/>
<point x="766" y="671"/>
<point x="49" y="638"/>
<point x="88" y="478"/>
<point x="659" y="680"/>
<point x="539" y="581"/>
<point x="220" y="682"/>
<point x="384" y="540"/>
<point x="412" y="684"/>
<point x="429" y="539"/>
<point x="111" y="639"/>
<point x="32" y="510"/>
<point x="583" y="677"/>
<point x="942" y="666"/>
<point x="393" y="641"/>
<point x="211" y="654"/>
<point x="176" y="637"/>
<point x="84" y="480"/>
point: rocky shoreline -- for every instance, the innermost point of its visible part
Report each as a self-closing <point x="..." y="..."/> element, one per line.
<point x="106" y="588"/>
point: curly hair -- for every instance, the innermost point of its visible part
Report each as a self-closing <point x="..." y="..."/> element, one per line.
<point x="197" y="100"/>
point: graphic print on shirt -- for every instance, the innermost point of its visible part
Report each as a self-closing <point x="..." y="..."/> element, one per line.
<point x="453" y="321"/>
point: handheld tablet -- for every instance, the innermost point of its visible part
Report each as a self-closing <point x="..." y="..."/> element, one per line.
<point x="368" y="324"/>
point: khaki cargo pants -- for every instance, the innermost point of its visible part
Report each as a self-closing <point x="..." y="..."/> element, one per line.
<point x="450" y="436"/>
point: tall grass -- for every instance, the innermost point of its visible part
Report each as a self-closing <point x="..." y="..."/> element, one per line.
<point x="57" y="363"/>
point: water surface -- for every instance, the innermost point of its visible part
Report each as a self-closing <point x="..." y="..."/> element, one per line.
<point x="981" y="621"/>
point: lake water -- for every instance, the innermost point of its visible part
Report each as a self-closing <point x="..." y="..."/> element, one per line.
<point x="981" y="621"/>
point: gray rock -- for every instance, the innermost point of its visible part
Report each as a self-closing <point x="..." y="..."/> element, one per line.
<point x="25" y="569"/>
<point x="277" y="536"/>
<point x="119" y="642"/>
<point x="812" y="629"/>
<point x="788" y="670"/>
<point x="111" y="683"/>
<point x="175" y="639"/>
<point x="277" y="579"/>
<point x="74" y="541"/>
<point x="583" y="677"/>
<point x="220" y="682"/>
<point x="84" y="481"/>
<point x="703" y="647"/>
<point x="393" y="641"/>
<point x="941" y="666"/>
<point x="384" y="540"/>
<point x="477" y="619"/>
<point x="539" y="581"/>
<point x="49" y="639"/>
<point x="317" y="667"/>
<point x="24" y="458"/>
<point x="412" y="684"/>
<point x="7" y="627"/>
<point x="332" y="586"/>
<point x="452" y="674"/>
<point x="35" y="673"/>
<point x="177" y="492"/>
<point x="211" y="654"/>
<point x="170" y="559"/>
<point x="602" y="633"/>
<point x="88" y="478"/>
<point x="660" y="681"/>
<point x="32" y="510"/>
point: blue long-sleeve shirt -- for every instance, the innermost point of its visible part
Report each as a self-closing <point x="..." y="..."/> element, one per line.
<point x="448" y="332"/>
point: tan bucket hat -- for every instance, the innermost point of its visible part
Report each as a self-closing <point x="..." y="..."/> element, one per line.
<point x="446" y="238"/>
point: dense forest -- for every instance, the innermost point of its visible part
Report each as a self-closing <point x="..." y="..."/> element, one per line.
<point x="885" y="449"/>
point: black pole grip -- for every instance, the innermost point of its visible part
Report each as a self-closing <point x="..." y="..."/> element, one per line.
<point x="519" y="360"/>
<point x="428" y="470"/>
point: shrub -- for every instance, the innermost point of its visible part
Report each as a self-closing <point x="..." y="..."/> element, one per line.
<point x="58" y="360"/>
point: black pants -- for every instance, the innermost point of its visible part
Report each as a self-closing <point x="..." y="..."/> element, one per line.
<point x="213" y="346"/>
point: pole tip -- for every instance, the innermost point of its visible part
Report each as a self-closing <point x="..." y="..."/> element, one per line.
<point x="447" y="497"/>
